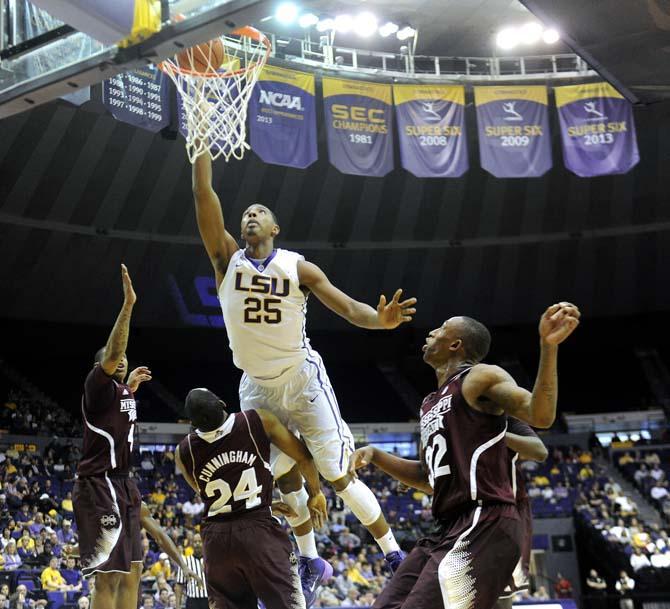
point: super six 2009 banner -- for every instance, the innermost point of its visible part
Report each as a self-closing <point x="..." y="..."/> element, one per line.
<point x="513" y="124"/>
<point x="358" y="122"/>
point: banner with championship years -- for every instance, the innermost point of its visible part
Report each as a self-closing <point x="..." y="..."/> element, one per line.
<point x="597" y="130"/>
<point x="431" y="130"/>
<point x="282" y="117"/>
<point x="140" y="98"/>
<point x="359" y="126"/>
<point x="513" y="126"/>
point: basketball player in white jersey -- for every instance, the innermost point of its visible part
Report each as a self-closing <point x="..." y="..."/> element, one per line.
<point x="263" y="293"/>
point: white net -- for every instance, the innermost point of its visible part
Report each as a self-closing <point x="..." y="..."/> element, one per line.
<point x="214" y="99"/>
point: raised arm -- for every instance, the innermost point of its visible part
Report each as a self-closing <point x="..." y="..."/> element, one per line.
<point x="409" y="472"/>
<point x="492" y="387"/>
<point x="219" y="243"/>
<point x="117" y="342"/>
<point x="386" y="317"/>
<point x="285" y="441"/>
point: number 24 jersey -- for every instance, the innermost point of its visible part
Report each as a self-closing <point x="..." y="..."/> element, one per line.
<point x="463" y="450"/>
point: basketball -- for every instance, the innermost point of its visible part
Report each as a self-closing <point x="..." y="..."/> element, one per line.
<point x="203" y="58"/>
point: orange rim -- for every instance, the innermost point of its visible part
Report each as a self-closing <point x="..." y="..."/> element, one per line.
<point x="246" y="31"/>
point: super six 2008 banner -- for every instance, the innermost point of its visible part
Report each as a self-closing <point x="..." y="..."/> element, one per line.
<point x="513" y="125"/>
<point x="282" y="117"/>
<point x="597" y="130"/>
<point x="358" y="122"/>
<point x="431" y="130"/>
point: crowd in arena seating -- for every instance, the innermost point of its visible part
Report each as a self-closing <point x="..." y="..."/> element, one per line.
<point x="650" y="471"/>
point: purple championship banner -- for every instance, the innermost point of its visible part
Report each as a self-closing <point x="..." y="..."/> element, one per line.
<point x="359" y="126"/>
<point x="597" y="130"/>
<point x="282" y="118"/>
<point x="513" y="125"/>
<point x="140" y="98"/>
<point x="431" y="130"/>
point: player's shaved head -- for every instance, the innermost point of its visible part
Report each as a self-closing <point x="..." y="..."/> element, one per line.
<point x="475" y="336"/>
<point x="99" y="354"/>
<point x="267" y="209"/>
<point x="205" y="409"/>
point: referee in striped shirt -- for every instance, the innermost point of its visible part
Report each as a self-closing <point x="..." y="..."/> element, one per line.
<point x="196" y="595"/>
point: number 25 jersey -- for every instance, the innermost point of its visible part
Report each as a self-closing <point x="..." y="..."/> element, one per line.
<point x="264" y="311"/>
<point x="463" y="450"/>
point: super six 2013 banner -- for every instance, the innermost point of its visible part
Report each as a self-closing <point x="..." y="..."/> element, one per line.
<point x="431" y="130"/>
<point x="513" y="125"/>
<point x="597" y="130"/>
<point x="360" y="131"/>
<point x="282" y="117"/>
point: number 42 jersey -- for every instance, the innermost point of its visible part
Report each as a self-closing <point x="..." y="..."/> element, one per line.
<point x="264" y="311"/>
<point x="463" y="450"/>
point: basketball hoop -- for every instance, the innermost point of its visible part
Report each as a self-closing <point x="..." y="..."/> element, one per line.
<point x="215" y="97"/>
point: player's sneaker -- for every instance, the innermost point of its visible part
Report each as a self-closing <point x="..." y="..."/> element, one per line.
<point x="313" y="572"/>
<point x="394" y="559"/>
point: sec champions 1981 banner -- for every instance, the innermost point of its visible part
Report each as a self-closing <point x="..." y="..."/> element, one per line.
<point x="360" y="132"/>
<point x="282" y="117"/>
<point x="514" y="139"/>
<point x="431" y="130"/>
<point x="597" y="130"/>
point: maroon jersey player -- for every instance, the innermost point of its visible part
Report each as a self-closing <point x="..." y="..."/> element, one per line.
<point x="105" y="497"/>
<point x="523" y="444"/>
<point x="470" y="558"/>
<point x="248" y="556"/>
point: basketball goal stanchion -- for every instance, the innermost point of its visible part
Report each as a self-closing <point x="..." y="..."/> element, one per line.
<point x="214" y="81"/>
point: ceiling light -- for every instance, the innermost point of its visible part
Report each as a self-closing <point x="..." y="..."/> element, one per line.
<point x="507" y="38"/>
<point x="406" y="32"/>
<point x="325" y="25"/>
<point x="365" y="24"/>
<point x="286" y="12"/>
<point x="344" y="23"/>
<point x="551" y="36"/>
<point x="531" y="33"/>
<point x="388" y="28"/>
<point x="308" y="20"/>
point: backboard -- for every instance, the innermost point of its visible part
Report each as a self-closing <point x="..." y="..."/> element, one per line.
<point x="42" y="59"/>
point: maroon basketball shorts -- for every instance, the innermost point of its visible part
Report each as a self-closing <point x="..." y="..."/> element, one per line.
<point x="466" y="564"/>
<point x="250" y="558"/>
<point x="519" y="579"/>
<point x="107" y="513"/>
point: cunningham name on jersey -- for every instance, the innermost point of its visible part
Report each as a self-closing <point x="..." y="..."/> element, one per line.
<point x="264" y="311"/>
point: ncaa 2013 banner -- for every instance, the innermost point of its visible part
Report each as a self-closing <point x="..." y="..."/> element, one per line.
<point x="282" y="117"/>
<point x="597" y="130"/>
<point x="431" y="130"/>
<point x="513" y="125"/>
<point x="140" y="98"/>
<point x="359" y="127"/>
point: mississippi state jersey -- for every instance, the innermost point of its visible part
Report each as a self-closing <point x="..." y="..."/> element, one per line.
<point x="518" y="482"/>
<point x="230" y="466"/>
<point x="109" y="412"/>
<point x="264" y="312"/>
<point x="463" y="450"/>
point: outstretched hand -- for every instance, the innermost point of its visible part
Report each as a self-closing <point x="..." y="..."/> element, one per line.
<point x="128" y="292"/>
<point x="360" y="458"/>
<point x="138" y="376"/>
<point x="318" y="510"/>
<point x="279" y="507"/>
<point x="558" y="322"/>
<point x="394" y="313"/>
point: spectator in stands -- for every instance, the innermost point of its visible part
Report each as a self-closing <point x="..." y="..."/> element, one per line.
<point x="348" y="540"/>
<point x="641" y="474"/>
<point x="657" y="473"/>
<point x="11" y="557"/>
<point x="625" y="459"/>
<point x="597" y="589"/>
<point x="147" y="463"/>
<point x="563" y="587"/>
<point x="638" y="560"/>
<point x="72" y="575"/>
<point x="51" y="578"/>
<point x="625" y="586"/>
<point x="652" y="459"/>
<point x="161" y="567"/>
<point x="148" y="602"/>
<point x="659" y="560"/>
<point x="66" y="505"/>
<point x="158" y="496"/>
<point x="83" y="602"/>
<point x="659" y="491"/>
<point x="162" y="599"/>
<point x="193" y="508"/>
